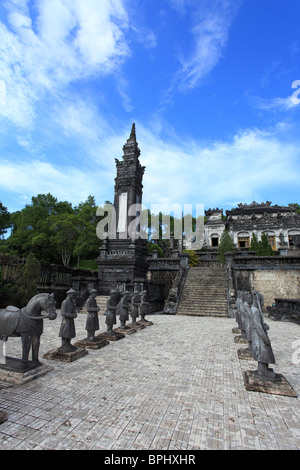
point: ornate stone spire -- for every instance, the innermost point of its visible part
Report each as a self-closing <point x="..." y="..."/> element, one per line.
<point x="131" y="148"/>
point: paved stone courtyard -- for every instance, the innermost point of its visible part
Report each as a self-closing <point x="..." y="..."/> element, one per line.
<point x="176" y="385"/>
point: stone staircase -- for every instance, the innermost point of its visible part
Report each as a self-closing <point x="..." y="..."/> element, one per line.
<point x="101" y="302"/>
<point x="204" y="292"/>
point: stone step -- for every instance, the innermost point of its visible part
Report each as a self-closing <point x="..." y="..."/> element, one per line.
<point x="204" y="293"/>
<point x="101" y="301"/>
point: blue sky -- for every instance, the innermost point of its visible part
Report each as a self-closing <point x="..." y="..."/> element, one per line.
<point x="207" y="83"/>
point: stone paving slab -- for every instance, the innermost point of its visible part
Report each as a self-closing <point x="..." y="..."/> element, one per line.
<point x="175" y="385"/>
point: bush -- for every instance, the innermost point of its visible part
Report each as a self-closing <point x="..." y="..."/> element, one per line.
<point x="193" y="258"/>
<point x="154" y="246"/>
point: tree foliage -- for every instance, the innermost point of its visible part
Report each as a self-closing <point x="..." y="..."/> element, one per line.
<point x="226" y="245"/>
<point x="25" y="286"/>
<point x="53" y="231"/>
<point x="5" y="219"/>
<point x="262" y="247"/>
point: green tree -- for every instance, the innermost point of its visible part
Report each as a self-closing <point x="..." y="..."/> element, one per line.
<point x="262" y="247"/>
<point x="25" y="286"/>
<point x="254" y="245"/>
<point x="5" y="219"/>
<point x="226" y="245"/>
<point x="297" y="207"/>
<point x="87" y="244"/>
<point x="65" y="229"/>
<point x="31" y="231"/>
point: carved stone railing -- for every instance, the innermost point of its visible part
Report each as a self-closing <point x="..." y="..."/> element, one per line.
<point x="172" y="302"/>
<point x="266" y="262"/>
<point x="52" y="278"/>
<point x="285" y="310"/>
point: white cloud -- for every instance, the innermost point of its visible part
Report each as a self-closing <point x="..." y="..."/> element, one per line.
<point x="187" y="173"/>
<point x="273" y="104"/>
<point x="68" y="40"/>
<point x="223" y="171"/>
<point x="67" y="184"/>
<point x="211" y="21"/>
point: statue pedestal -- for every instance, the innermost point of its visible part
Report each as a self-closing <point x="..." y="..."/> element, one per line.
<point x="3" y="417"/>
<point x="16" y="372"/>
<point x="125" y="331"/>
<point x="137" y="326"/>
<point x="58" y="355"/>
<point x="244" y="354"/>
<point x="98" y="343"/>
<point x="145" y="322"/>
<point x="280" y="386"/>
<point x="115" y="336"/>
<point x="240" y="340"/>
<point x="236" y="331"/>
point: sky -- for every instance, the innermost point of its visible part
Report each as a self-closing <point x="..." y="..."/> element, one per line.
<point x="213" y="87"/>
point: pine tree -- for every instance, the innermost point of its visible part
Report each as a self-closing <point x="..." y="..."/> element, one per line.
<point x="254" y="246"/>
<point x="226" y="245"/>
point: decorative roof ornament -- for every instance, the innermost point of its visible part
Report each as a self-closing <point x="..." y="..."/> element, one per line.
<point x="131" y="148"/>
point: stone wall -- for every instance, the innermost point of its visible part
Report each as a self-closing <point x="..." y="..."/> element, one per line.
<point x="274" y="276"/>
<point x="277" y="283"/>
<point x="163" y="271"/>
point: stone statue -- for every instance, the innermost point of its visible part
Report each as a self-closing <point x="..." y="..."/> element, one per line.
<point x="261" y="345"/>
<point x="111" y="306"/>
<point x="238" y="303"/>
<point x="144" y="306"/>
<point x="123" y="307"/>
<point x="28" y="323"/>
<point x="246" y="312"/>
<point x="67" y="329"/>
<point x="240" y="317"/>
<point x="92" y="321"/>
<point x="135" y="300"/>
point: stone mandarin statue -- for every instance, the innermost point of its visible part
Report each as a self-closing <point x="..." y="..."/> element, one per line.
<point x="144" y="306"/>
<point x="261" y="345"/>
<point x="92" y="321"/>
<point x="123" y="308"/>
<point x="111" y="306"/>
<point x="135" y="300"/>
<point x="67" y="329"/>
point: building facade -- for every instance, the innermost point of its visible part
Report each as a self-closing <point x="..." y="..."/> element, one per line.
<point x="280" y="224"/>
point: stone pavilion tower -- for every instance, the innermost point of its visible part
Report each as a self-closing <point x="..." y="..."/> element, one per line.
<point x="123" y="260"/>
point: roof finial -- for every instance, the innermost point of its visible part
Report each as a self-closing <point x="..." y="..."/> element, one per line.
<point x="132" y="133"/>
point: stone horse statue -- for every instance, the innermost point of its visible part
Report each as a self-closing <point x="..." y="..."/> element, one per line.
<point x="28" y="323"/>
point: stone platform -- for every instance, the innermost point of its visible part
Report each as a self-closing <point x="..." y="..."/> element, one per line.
<point x="176" y="386"/>
<point x="15" y="372"/>
<point x="280" y="386"/>
<point x="58" y="355"/>
<point x="96" y="344"/>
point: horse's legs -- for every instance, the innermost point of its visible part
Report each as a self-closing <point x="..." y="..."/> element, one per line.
<point x="26" y="343"/>
<point x="35" y="349"/>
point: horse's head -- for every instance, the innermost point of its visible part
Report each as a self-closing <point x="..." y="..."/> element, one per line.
<point x="50" y="306"/>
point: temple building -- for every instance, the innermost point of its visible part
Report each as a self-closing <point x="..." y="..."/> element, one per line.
<point x="280" y="224"/>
